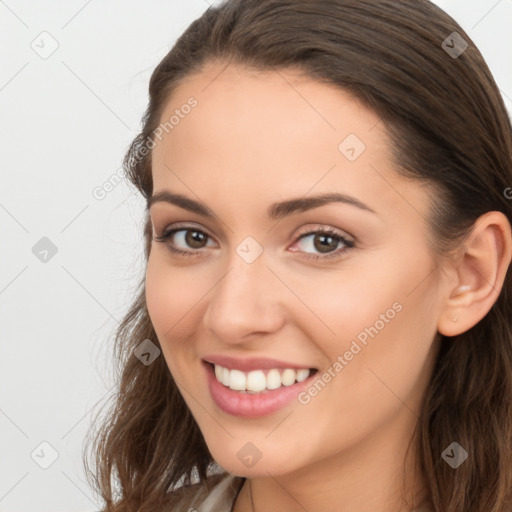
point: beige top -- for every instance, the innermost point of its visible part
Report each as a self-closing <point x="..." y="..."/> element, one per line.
<point x="219" y="495"/>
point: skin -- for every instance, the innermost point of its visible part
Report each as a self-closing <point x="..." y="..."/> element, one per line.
<point x="260" y="137"/>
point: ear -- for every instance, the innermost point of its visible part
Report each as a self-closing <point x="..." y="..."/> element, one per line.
<point x="480" y="273"/>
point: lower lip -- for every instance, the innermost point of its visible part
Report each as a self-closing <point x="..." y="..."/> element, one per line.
<point x="249" y="405"/>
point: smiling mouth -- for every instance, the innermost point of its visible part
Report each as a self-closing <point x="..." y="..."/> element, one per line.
<point x="260" y="381"/>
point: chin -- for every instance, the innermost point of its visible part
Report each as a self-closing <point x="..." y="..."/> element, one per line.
<point x="247" y="462"/>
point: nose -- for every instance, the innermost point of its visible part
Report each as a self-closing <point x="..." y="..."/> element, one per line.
<point x="245" y="302"/>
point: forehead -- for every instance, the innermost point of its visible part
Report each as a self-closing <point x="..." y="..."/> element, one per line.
<point x="272" y="134"/>
<point x="256" y="106"/>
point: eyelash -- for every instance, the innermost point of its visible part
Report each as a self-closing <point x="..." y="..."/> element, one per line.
<point x="166" y="235"/>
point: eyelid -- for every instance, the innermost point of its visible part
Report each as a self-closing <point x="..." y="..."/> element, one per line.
<point x="326" y="227"/>
<point x="186" y="226"/>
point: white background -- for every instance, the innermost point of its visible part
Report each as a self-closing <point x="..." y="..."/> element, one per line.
<point x="65" y="123"/>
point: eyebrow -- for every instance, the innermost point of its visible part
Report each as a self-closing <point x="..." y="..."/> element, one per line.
<point x="276" y="211"/>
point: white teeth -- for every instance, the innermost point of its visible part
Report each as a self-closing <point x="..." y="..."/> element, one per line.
<point x="274" y="379"/>
<point x="302" y="375"/>
<point x="256" y="380"/>
<point x="225" y="377"/>
<point x="237" y="380"/>
<point x="288" y="377"/>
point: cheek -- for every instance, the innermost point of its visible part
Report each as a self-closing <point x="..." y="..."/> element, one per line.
<point x="173" y="305"/>
<point x="379" y="316"/>
<point x="161" y="297"/>
<point x="337" y="306"/>
<point x="384" y="323"/>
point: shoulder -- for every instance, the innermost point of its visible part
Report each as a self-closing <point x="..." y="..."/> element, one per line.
<point x="217" y="494"/>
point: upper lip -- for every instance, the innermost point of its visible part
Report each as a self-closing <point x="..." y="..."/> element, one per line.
<point x="253" y="363"/>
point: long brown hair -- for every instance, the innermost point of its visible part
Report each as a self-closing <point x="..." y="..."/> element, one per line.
<point x="448" y="127"/>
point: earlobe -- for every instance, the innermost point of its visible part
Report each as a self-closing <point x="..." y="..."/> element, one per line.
<point x="480" y="271"/>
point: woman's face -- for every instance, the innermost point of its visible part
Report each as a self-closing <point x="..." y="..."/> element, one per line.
<point x="270" y="285"/>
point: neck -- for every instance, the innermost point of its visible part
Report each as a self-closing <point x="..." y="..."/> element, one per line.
<point x="374" y="474"/>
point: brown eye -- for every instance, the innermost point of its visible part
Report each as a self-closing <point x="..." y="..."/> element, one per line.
<point x="325" y="243"/>
<point x="184" y="241"/>
<point x="195" y="239"/>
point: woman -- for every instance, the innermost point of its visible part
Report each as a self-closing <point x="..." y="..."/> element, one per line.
<point x="324" y="323"/>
